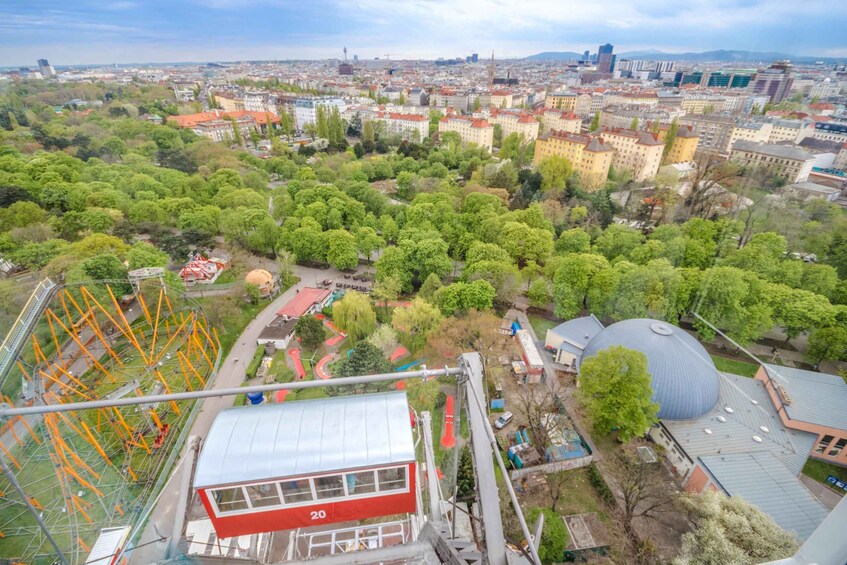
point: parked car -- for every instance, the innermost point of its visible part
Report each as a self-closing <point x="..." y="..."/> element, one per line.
<point x="504" y="419"/>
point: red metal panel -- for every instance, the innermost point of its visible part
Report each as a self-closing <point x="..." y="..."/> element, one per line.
<point x="313" y="515"/>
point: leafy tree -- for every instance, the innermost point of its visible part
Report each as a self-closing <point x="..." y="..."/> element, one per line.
<point x="368" y="241"/>
<point x="595" y="122"/>
<point x="730" y="530"/>
<point x="503" y="276"/>
<point x="524" y="243"/>
<point x="355" y="315"/>
<point x="385" y="338"/>
<point x="475" y="331"/>
<point x="634" y="123"/>
<point x="670" y="137"/>
<point x="416" y="322"/>
<point x="254" y="293"/>
<point x="797" y="310"/>
<point x="642" y="491"/>
<point x="311" y="332"/>
<point x="617" y="240"/>
<point x="554" y="536"/>
<point x="733" y="300"/>
<point x="341" y="249"/>
<point x="429" y="286"/>
<point x="827" y="343"/>
<point x="572" y="280"/>
<point x="574" y="240"/>
<point x="394" y="263"/>
<point x="616" y="391"/>
<point x="539" y="293"/>
<point x="386" y="289"/>
<point x="366" y="359"/>
<point x="498" y="135"/>
<point x="422" y="395"/>
<point x="555" y="171"/>
<point x="143" y="254"/>
<point x="460" y="297"/>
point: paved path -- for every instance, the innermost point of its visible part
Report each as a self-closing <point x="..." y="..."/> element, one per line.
<point x="823" y="493"/>
<point x="230" y="374"/>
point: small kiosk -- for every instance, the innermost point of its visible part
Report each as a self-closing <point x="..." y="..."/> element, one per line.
<point x="305" y="463"/>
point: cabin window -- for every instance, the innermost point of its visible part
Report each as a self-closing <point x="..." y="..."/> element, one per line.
<point x="330" y="486"/>
<point x="361" y="483"/>
<point x="263" y="495"/>
<point x="230" y="499"/>
<point x="296" y="491"/>
<point x="392" y="479"/>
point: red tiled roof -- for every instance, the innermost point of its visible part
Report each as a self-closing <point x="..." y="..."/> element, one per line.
<point x="191" y="120"/>
<point x="822" y="106"/>
<point x="302" y="301"/>
<point x="407" y="117"/>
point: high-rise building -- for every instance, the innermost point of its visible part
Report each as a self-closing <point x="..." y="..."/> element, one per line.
<point x="46" y="68"/>
<point x="586" y="56"/>
<point x="475" y="58"/>
<point x="775" y="81"/>
<point x="605" y="59"/>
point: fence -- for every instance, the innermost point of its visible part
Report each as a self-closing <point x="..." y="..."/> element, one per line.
<point x="553" y="467"/>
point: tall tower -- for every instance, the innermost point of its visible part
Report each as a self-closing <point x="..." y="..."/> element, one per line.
<point x="605" y="59"/>
<point x="491" y="69"/>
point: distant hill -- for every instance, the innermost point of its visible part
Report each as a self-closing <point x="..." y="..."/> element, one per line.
<point x="721" y="55"/>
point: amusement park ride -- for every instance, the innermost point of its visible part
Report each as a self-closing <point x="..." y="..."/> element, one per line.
<point x="99" y="393"/>
<point x="82" y="471"/>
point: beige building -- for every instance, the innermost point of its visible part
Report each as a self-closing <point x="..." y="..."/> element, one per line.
<point x="222" y="130"/>
<point x="589" y="104"/>
<point x="792" y="163"/>
<point x="630" y="99"/>
<point x="565" y="101"/>
<point x="470" y="130"/>
<point x="413" y="127"/>
<point x="555" y="120"/>
<point x="789" y="130"/>
<point x="589" y="156"/>
<point x="639" y="152"/>
<point x="702" y="104"/>
<point x="756" y="132"/>
<point x="684" y="145"/>
<point x="520" y="123"/>
<point x="229" y="104"/>
<point x="501" y="99"/>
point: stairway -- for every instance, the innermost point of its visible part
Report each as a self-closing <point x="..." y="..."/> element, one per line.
<point x="23" y="326"/>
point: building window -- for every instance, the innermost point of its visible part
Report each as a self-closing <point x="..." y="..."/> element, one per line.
<point x="822" y="445"/>
<point x="392" y="479"/>
<point x="331" y="486"/>
<point x="230" y="499"/>
<point x="839" y="445"/>
<point x="263" y="495"/>
<point x="296" y="491"/>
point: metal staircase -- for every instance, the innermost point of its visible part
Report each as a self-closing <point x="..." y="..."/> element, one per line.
<point x="24" y="325"/>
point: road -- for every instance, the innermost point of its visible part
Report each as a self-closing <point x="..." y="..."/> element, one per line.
<point x="230" y="374"/>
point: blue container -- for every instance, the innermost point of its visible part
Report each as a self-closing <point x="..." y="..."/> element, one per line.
<point x="255" y="397"/>
<point x="525" y="436"/>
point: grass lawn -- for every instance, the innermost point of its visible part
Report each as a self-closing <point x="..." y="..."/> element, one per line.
<point x="226" y="277"/>
<point x="541" y="325"/>
<point x="820" y="470"/>
<point x="743" y="368"/>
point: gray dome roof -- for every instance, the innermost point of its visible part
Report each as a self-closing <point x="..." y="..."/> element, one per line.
<point x="685" y="381"/>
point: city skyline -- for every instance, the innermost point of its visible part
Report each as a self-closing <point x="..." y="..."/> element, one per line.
<point x="209" y="30"/>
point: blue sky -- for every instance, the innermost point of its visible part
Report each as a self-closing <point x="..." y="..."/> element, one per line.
<point x="126" y="31"/>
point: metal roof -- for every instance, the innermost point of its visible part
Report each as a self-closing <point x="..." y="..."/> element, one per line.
<point x="772" y="150"/>
<point x="108" y="545"/>
<point x="529" y="348"/>
<point x="578" y="332"/>
<point x="302" y="301"/>
<point x="254" y="443"/>
<point x="732" y="431"/>
<point x="816" y="398"/>
<point x="684" y="378"/>
<point x="761" y="480"/>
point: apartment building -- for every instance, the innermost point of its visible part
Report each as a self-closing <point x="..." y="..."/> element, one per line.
<point x="631" y="99"/>
<point x="501" y="99"/>
<point x="470" y="130"/>
<point x="589" y="104"/>
<point x="622" y="116"/>
<point x="229" y="103"/>
<point x="222" y="130"/>
<point x="259" y="102"/>
<point x="305" y="109"/>
<point x="756" y="132"/>
<point x="639" y="152"/>
<point x="830" y="131"/>
<point x="413" y="127"/>
<point x="589" y="156"/>
<point x="793" y="131"/>
<point x="565" y="101"/>
<point x="717" y="132"/>
<point x="450" y="98"/>
<point x="555" y="120"/>
<point x="521" y="123"/>
<point x="684" y="144"/>
<point x="702" y="104"/>
<point x="792" y="163"/>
